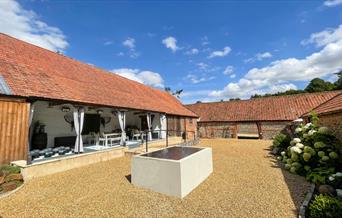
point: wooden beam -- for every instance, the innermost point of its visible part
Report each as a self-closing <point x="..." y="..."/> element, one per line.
<point x="185" y="129"/>
<point x="11" y="99"/>
<point x="259" y="129"/>
<point x="167" y="131"/>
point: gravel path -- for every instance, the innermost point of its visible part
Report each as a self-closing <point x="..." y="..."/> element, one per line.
<point x="245" y="183"/>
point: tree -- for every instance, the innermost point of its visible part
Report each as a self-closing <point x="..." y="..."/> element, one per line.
<point x="319" y="85"/>
<point x="315" y="85"/>
<point x="167" y="89"/>
<point x="176" y="93"/>
<point x="256" y="96"/>
<point x="338" y="83"/>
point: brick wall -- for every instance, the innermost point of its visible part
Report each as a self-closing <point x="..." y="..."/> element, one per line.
<point x="230" y="129"/>
<point x="333" y="121"/>
<point x="271" y="129"/>
<point x="216" y="130"/>
<point x="177" y="125"/>
<point x="247" y="127"/>
<point x="191" y="128"/>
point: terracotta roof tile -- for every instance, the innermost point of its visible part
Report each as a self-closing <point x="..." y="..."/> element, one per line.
<point x="261" y="109"/>
<point x="31" y="71"/>
<point x="330" y="106"/>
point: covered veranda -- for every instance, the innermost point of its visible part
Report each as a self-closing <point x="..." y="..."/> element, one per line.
<point x="60" y="129"/>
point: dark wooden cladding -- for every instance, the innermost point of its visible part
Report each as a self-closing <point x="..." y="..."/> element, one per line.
<point x="14" y="127"/>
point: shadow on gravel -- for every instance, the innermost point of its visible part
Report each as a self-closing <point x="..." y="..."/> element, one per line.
<point x="128" y="177"/>
<point x="297" y="185"/>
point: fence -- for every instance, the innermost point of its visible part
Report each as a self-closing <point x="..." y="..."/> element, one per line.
<point x="172" y="137"/>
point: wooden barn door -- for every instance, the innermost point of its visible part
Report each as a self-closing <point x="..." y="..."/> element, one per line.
<point x="14" y="129"/>
<point x="248" y="130"/>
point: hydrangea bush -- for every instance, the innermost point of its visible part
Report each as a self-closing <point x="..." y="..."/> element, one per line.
<point x="313" y="152"/>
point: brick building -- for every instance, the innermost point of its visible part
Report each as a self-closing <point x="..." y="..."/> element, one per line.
<point x="330" y="114"/>
<point x="258" y="118"/>
<point x="51" y="104"/>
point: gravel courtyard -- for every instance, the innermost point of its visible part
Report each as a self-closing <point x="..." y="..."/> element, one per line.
<point x="246" y="182"/>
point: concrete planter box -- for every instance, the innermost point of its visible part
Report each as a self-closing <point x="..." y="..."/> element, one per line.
<point x="175" y="176"/>
<point x="61" y="164"/>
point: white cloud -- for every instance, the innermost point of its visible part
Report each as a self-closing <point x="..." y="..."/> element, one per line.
<point x="232" y="76"/>
<point x="282" y="88"/>
<point x="279" y="74"/>
<point x="228" y="70"/>
<point x="222" y="53"/>
<point x="145" y="77"/>
<point x="195" y="79"/>
<point x="151" y="35"/>
<point x="192" y="51"/>
<point x="108" y="43"/>
<point x="259" y="57"/>
<point x="324" y="37"/>
<point x="27" y="26"/>
<point x="332" y="3"/>
<point x="120" y="54"/>
<point x="171" y="43"/>
<point x="195" y="93"/>
<point x="202" y="66"/>
<point x="129" y="43"/>
<point x="205" y="41"/>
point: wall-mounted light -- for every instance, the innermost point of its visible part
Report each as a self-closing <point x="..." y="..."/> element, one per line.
<point x="65" y="109"/>
<point x="99" y="111"/>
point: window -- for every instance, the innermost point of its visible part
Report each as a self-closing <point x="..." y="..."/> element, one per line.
<point x="190" y="121"/>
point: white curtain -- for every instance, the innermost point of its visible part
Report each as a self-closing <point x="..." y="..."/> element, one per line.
<point x="81" y="128"/>
<point x="162" y="126"/>
<point x="78" y="124"/>
<point x="31" y="114"/>
<point x="122" y="122"/>
<point x="149" y="123"/>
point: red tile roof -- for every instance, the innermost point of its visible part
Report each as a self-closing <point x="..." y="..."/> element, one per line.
<point x="276" y="108"/>
<point x="31" y="71"/>
<point x="331" y="106"/>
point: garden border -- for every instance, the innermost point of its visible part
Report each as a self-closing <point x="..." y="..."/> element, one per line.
<point x="303" y="208"/>
<point x="6" y="194"/>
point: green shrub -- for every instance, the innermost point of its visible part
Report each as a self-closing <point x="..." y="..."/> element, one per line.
<point x="281" y="141"/>
<point x="335" y="180"/>
<point x="325" y="206"/>
<point x="319" y="175"/>
<point x="314" y="151"/>
<point x="7" y="169"/>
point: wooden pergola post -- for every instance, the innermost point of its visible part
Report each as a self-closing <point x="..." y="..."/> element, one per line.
<point x="259" y="130"/>
<point x="167" y="131"/>
<point x="185" y="133"/>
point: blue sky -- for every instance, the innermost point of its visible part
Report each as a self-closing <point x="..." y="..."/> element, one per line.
<point x="211" y="49"/>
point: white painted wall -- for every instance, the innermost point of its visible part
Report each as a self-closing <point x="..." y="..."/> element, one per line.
<point x="53" y="118"/>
